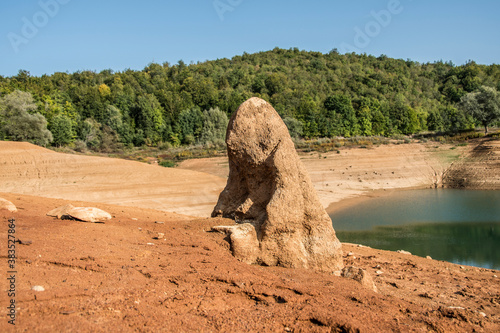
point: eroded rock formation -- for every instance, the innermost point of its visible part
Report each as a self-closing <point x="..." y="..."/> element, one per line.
<point x="280" y="221"/>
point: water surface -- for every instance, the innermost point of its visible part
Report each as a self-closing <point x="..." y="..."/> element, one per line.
<point x="460" y="226"/>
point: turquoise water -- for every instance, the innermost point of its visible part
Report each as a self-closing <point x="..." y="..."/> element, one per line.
<point x="458" y="226"/>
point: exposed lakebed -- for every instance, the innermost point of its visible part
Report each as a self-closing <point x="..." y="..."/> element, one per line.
<point x="459" y="226"/>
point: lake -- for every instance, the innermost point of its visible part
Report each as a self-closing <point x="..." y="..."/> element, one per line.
<point x="459" y="226"/>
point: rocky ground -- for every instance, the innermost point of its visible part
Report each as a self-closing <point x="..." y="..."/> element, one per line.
<point x="151" y="270"/>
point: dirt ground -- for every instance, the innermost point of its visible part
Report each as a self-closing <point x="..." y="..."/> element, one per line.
<point x="150" y="270"/>
<point x="115" y="276"/>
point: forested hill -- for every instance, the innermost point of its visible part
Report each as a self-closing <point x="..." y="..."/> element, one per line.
<point x="318" y="95"/>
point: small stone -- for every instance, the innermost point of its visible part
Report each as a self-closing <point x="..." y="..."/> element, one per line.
<point x="378" y="267"/>
<point x="134" y="218"/>
<point x="482" y="314"/>
<point x="403" y="252"/>
<point x="159" y="222"/>
<point x="494" y="276"/>
<point x="38" y="288"/>
<point x="428" y="257"/>
<point x="160" y="235"/>
<point x="455" y="308"/>
<point x="359" y="275"/>
<point x="150" y="244"/>
<point x="379" y="272"/>
<point x="350" y="254"/>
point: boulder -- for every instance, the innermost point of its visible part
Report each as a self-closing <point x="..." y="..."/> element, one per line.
<point x="280" y="221"/>
<point x="7" y="205"/>
<point x="89" y="214"/>
<point x="85" y="214"/>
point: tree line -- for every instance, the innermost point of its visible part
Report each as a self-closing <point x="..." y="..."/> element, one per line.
<point x="317" y="95"/>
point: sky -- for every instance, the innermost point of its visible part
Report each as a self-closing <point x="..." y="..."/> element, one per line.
<point x="47" y="36"/>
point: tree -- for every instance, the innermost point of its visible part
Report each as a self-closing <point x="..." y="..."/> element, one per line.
<point x="90" y="133"/>
<point x="364" y="119"/>
<point x="214" y="126"/>
<point x="190" y="125"/>
<point x="483" y="105"/>
<point x="404" y="118"/>
<point x="295" y="127"/>
<point x="435" y="121"/>
<point x="148" y="116"/>
<point x="62" y="130"/>
<point x="16" y="123"/>
<point x="341" y="105"/>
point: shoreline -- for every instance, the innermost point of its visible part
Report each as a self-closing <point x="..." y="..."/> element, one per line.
<point x="368" y="194"/>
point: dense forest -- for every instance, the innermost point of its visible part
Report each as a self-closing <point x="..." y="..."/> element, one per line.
<point x="317" y="95"/>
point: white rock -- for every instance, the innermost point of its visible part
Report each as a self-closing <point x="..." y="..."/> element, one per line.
<point x="403" y="252"/>
<point x="89" y="214"/>
<point x="6" y="204"/>
<point x="38" y="288"/>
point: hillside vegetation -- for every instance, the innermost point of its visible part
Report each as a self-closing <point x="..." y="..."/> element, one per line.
<point x="318" y="95"/>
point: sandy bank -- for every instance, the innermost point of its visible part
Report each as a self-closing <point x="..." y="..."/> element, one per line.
<point x="355" y="172"/>
<point x="29" y="169"/>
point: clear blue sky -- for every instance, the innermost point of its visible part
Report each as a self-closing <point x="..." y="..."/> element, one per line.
<point x="47" y="36"/>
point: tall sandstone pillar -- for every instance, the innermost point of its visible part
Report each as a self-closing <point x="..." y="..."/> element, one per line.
<point x="280" y="221"/>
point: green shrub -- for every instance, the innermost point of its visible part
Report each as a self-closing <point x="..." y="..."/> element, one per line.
<point x="167" y="164"/>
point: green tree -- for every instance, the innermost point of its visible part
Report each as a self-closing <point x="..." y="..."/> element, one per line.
<point x="341" y="105"/>
<point x="62" y="130"/>
<point x="18" y="124"/>
<point x="90" y="132"/>
<point x="190" y="125"/>
<point x="295" y="127"/>
<point x="435" y="121"/>
<point x="148" y="115"/>
<point x="364" y="119"/>
<point x="113" y="118"/>
<point x="404" y="118"/>
<point x="483" y="105"/>
<point x="275" y="83"/>
<point x="214" y="126"/>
